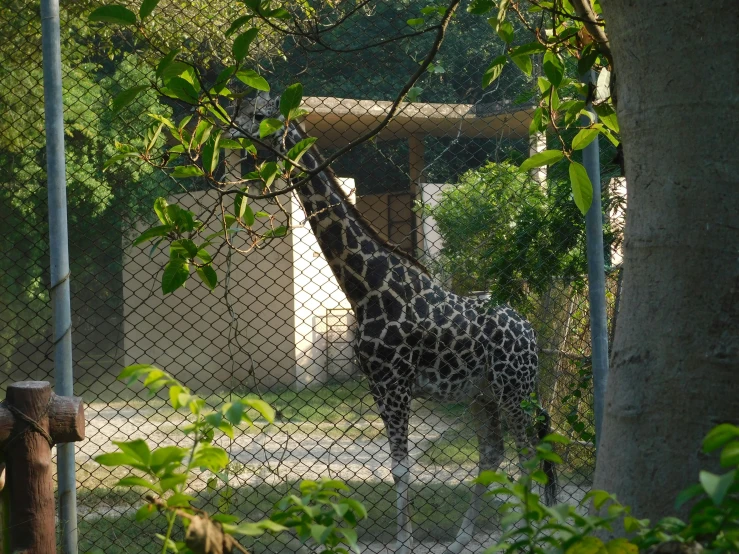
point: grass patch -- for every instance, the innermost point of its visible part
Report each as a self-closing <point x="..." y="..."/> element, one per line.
<point x="437" y="512"/>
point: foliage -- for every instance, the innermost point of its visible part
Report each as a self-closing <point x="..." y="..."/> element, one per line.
<point x="320" y="514"/>
<point x="566" y="50"/>
<point x="507" y="233"/>
<point x="531" y="527"/>
<point x="98" y="200"/>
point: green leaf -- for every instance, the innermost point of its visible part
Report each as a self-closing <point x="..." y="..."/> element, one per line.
<point x="158" y="231"/>
<point x="242" y="43"/>
<point x="687" y="494"/>
<point x="416" y="21"/>
<point x="268" y="172"/>
<point x="548" y="157"/>
<point x="253" y="79"/>
<point x="479" y="7"/>
<point x="264" y="409"/>
<point x="162" y="119"/>
<point x="504" y="30"/>
<point x="280" y="231"/>
<point x="587" y="545"/>
<point x="319" y="533"/>
<point x="621" y="546"/>
<point x="179" y="88"/>
<point x="166" y="61"/>
<point x="132" y="372"/>
<point x="210" y="457"/>
<point x="413" y="94"/>
<point x="115" y="459"/>
<point x="127" y="96"/>
<point x="248" y="216"/>
<point x="290" y="101"/>
<point x="166" y="456"/>
<point x="279" y="13"/>
<point x="730" y="454"/>
<point x="136" y="448"/>
<point x="179" y="69"/>
<point x="208" y="276"/>
<point x="608" y="116"/>
<point x="211" y="152"/>
<point x="171" y="482"/>
<point x="238" y="24"/>
<point x="297" y="151"/>
<point x="587" y="59"/>
<point x="539" y="122"/>
<point x="583" y="138"/>
<point x="240" y="204"/>
<point x="582" y="188"/>
<point x="269" y="126"/>
<point x="180" y="500"/>
<point x="202" y="132"/>
<point x="493" y="71"/>
<point x="187" y="171"/>
<point x="145" y="512"/>
<point x="118" y="157"/>
<point x="527" y="49"/>
<point x="230" y="144"/>
<point x="556" y="438"/>
<point x="147" y="6"/>
<point x="554" y="69"/>
<point x="234" y="412"/>
<point x="175" y="275"/>
<point x="113" y="14"/>
<point x="716" y="486"/>
<point x="523" y="63"/>
<point x="134" y="481"/>
<point x="719" y="436"/>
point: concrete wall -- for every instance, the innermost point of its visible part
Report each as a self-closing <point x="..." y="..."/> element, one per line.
<point x="279" y="294"/>
<point x="189" y="334"/>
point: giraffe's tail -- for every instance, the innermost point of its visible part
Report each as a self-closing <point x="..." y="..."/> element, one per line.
<point x="543" y="428"/>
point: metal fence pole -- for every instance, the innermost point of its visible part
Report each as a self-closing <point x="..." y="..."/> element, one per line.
<point x="58" y="241"/>
<point x="596" y="276"/>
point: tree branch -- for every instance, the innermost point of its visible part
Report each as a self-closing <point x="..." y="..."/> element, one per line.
<point x="586" y="14"/>
<point x="440" y="34"/>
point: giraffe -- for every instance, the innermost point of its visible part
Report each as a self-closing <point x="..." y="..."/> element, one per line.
<point x="416" y="340"/>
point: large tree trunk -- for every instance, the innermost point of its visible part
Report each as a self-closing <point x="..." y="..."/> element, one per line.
<point x="675" y="364"/>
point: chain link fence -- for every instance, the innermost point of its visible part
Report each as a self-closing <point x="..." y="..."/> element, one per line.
<point x="441" y="181"/>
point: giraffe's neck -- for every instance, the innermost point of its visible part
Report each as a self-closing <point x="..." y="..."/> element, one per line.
<point x="351" y="247"/>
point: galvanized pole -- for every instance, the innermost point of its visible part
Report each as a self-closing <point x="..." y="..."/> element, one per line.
<point x="596" y="277"/>
<point x="58" y="242"/>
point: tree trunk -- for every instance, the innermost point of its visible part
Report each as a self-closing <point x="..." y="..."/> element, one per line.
<point x="675" y="363"/>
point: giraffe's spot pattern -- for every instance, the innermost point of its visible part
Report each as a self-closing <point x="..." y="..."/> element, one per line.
<point x="415" y="339"/>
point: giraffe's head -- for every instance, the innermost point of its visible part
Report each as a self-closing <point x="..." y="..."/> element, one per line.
<point x="250" y="112"/>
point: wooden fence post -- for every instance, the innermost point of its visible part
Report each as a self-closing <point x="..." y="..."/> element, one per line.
<point x="32" y="420"/>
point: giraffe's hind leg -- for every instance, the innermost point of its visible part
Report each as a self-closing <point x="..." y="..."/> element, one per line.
<point x="486" y="414"/>
<point x="527" y="433"/>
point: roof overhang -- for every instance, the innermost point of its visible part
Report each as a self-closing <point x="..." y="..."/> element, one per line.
<point x="337" y="121"/>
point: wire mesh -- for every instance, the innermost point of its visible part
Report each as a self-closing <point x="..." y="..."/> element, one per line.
<point x="442" y="182"/>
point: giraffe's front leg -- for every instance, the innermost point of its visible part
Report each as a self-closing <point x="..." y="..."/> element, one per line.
<point x="394" y="404"/>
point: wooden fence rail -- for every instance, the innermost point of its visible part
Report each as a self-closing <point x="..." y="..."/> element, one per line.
<point x="32" y="420"/>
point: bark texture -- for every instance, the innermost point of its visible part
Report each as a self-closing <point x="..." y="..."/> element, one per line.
<point x="675" y="362"/>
